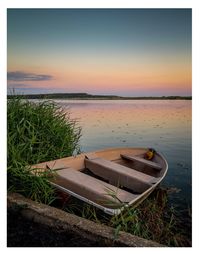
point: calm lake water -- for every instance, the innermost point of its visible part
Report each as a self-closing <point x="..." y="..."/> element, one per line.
<point x="164" y="125"/>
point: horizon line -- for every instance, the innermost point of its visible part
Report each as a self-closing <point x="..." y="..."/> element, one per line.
<point x="99" y="95"/>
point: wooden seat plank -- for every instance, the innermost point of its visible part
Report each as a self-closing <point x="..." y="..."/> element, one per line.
<point x="120" y="175"/>
<point x="142" y="161"/>
<point x="92" y="188"/>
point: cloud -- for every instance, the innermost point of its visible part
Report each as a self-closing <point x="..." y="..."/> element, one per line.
<point x="17" y="85"/>
<point x="24" y="76"/>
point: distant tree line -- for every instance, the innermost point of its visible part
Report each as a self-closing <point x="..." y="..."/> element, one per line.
<point x="90" y="96"/>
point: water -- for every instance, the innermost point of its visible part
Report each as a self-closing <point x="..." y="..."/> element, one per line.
<point x="164" y="125"/>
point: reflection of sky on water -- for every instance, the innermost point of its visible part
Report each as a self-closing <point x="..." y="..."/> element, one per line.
<point x="164" y="125"/>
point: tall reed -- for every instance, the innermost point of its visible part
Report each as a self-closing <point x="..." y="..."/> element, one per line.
<point x="37" y="132"/>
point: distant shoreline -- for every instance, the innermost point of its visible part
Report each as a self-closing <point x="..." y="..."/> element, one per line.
<point x="85" y="96"/>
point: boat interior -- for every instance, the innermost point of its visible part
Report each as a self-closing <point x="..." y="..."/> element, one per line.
<point x="110" y="178"/>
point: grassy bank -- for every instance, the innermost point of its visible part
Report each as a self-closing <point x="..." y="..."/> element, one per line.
<point x="154" y="219"/>
<point x="36" y="133"/>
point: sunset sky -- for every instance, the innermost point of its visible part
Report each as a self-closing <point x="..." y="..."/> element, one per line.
<point x="128" y="52"/>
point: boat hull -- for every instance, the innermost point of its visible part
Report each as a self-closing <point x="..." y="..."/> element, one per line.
<point x="113" y="167"/>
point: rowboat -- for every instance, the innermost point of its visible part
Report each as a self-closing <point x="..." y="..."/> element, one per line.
<point x="109" y="179"/>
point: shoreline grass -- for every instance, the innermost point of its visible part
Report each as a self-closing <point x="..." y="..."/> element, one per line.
<point x="154" y="219"/>
<point x="37" y="132"/>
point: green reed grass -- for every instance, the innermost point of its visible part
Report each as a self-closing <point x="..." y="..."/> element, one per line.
<point x="37" y="132"/>
<point x="154" y="219"/>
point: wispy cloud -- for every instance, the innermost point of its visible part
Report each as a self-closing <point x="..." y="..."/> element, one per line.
<point x="18" y="85"/>
<point x="25" y="76"/>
